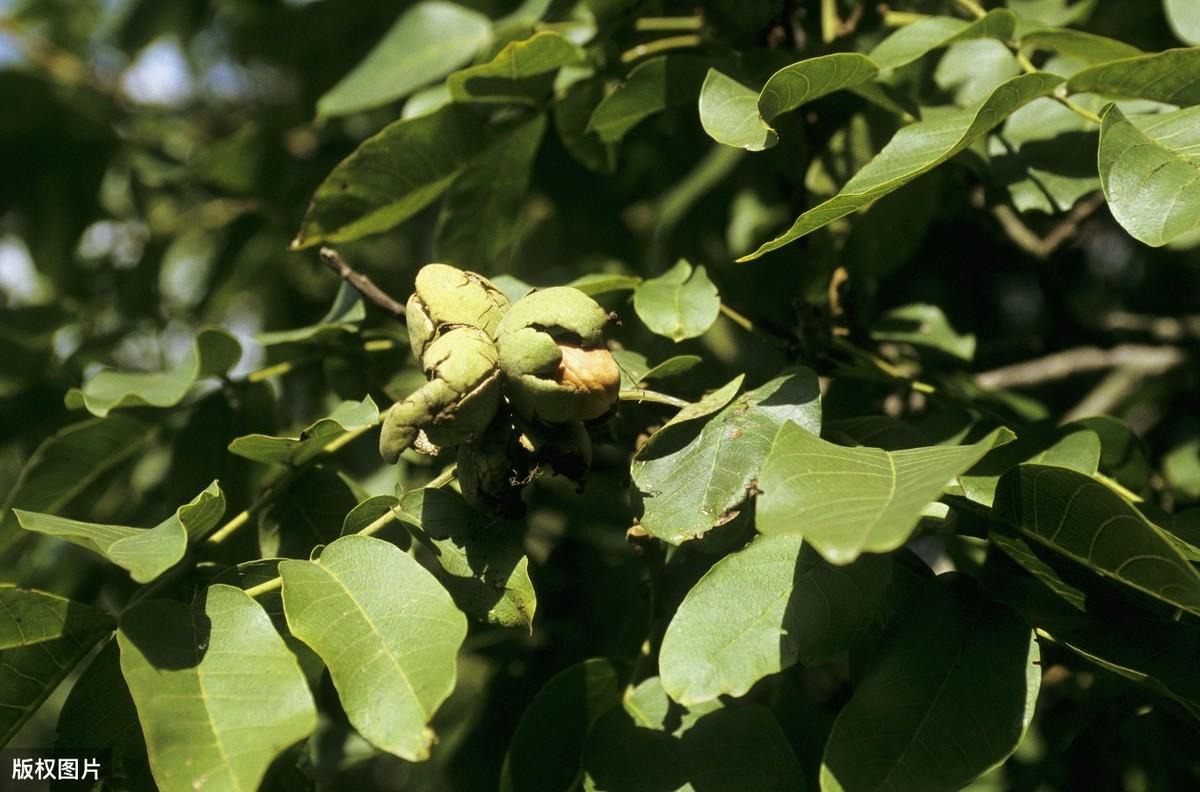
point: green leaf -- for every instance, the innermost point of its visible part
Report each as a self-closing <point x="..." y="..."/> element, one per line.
<point x="923" y="36"/>
<point x="346" y="417"/>
<point x="388" y="633"/>
<point x="479" y="557"/>
<point x="393" y="175"/>
<point x="210" y="715"/>
<point x="1150" y="171"/>
<point x="214" y="352"/>
<point x="1084" y="520"/>
<point x="310" y="512"/>
<point x="42" y="638"/>
<point x="1074" y="447"/>
<point x="428" y="41"/>
<point x="693" y="477"/>
<point x="1056" y="13"/>
<point x="1184" y="18"/>
<point x="970" y="70"/>
<point x="479" y="217"/>
<point x="761" y="610"/>
<point x="547" y="747"/>
<point x="573" y="108"/>
<point x="99" y="715"/>
<point x="728" y="750"/>
<point x="1087" y="47"/>
<point x="729" y="114"/>
<point x="145" y="552"/>
<point x="923" y="324"/>
<point x="681" y="303"/>
<point x="595" y="283"/>
<point x="848" y="501"/>
<point x="520" y="73"/>
<point x="1161" y="76"/>
<point x="68" y="462"/>
<point x="914" y="150"/>
<point x="654" y="85"/>
<point x="948" y="695"/>
<point x="1152" y="650"/>
<point x="808" y="80"/>
<point x="343" y="316"/>
<point x="1181" y="469"/>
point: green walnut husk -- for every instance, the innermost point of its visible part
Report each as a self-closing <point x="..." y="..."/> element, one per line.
<point x="493" y="469"/>
<point x="458" y="402"/>
<point x="446" y="295"/>
<point x="551" y="352"/>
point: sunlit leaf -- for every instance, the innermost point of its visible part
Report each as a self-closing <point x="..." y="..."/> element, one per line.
<point x="762" y="609"/>
<point x="914" y="150"/>
<point x="388" y="632"/>
<point x="729" y="114"/>
<point x="849" y="501"/>
<point x="209" y="716"/>
<point x="145" y="552"/>
<point x="1091" y="524"/>
<point x="1150" y="171"/>
<point x="681" y="303"/>
<point x="522" y="72"/>
<point x="1162" y="76"/>
<point x="214" y="352"/>
<point x="1184" y="17"/>
<point x="912" y="41"/>
<point x="346" y="417"/>
<point x="808" y="80"/>
<point x="694" y="476"/>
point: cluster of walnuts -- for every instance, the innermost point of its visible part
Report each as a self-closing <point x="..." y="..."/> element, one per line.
<point x="509" y="385"/>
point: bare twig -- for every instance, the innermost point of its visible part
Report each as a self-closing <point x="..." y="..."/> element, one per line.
<point x="365" y="286"/>
<point x="1042" y="247"/>
<point x="1107" y="395"/>
<point x="1164" y="328"/>
<point x="1145" y="361"/>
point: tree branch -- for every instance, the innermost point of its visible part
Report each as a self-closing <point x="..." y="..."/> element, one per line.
<point x="365" y="286"/>
<point x="1164" y="328"/>
<point x="1042" y="247"/>
<point x="1145" y="361"/>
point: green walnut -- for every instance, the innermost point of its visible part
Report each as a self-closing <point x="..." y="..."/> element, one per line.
<point x="459" y="400"/>
<point x="446" y="295"/>
<point x="555" y="366"/>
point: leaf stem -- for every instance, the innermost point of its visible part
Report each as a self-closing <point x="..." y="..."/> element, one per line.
<point x="660" y="45"/>
<point x="902" y="18"/>
<point x="640" y="395"/>
<point x="971" y="7"/>
<point x="1029" y="68"/>
<point x="882" y="365"/>
<point x="740" y="319"/>
<point x="669" y="23"/>
<point x="831" y="23"/>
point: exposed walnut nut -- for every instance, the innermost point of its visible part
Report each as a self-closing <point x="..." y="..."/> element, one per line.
<point x="594" y="374"/>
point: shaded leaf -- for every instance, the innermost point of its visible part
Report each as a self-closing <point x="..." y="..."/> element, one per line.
<point x="914" y="150"/>
<point x="392" y="176"/>
<point x="971" y="69"/>
<point x="595" y="283"/>
<point x="948" y="695"/>
<point x="730" y="749"/>
<point x="1057" y="13"/>
<point x="1161" y="76"/>
<point x="762" y="609"/>
<point x="42" y="638"/>
<point x="923" y="36"/>
<point x="1087" y="47"/>
<point x="922" y="324"/>
<point x="654" y="85"/>
<point x="388" y="633"/>
<point x="692" y="477"/>
<point x="848" y="501"/>
<point x="346" y="417"/>
<point x="480" y="559"/>
<point x="209" y="716"/>
<point x="729" y="114"/>
<point x="1084" y="520"/>
<point x="479" y="217"/>
<point x="547" y="747"/>
<point x="342" y="317"/>
<point x="214" y="352"/>
<point x="1150" y="171"/>
<point x="309" y="513"/>
<point x="522" y="72"/>
<point x="681" y="303"/>
<point x="428" y="41"/>
<point x="145" y="552"/>
<point x="69" y="461"/>
<point x="1074" y="447"/>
